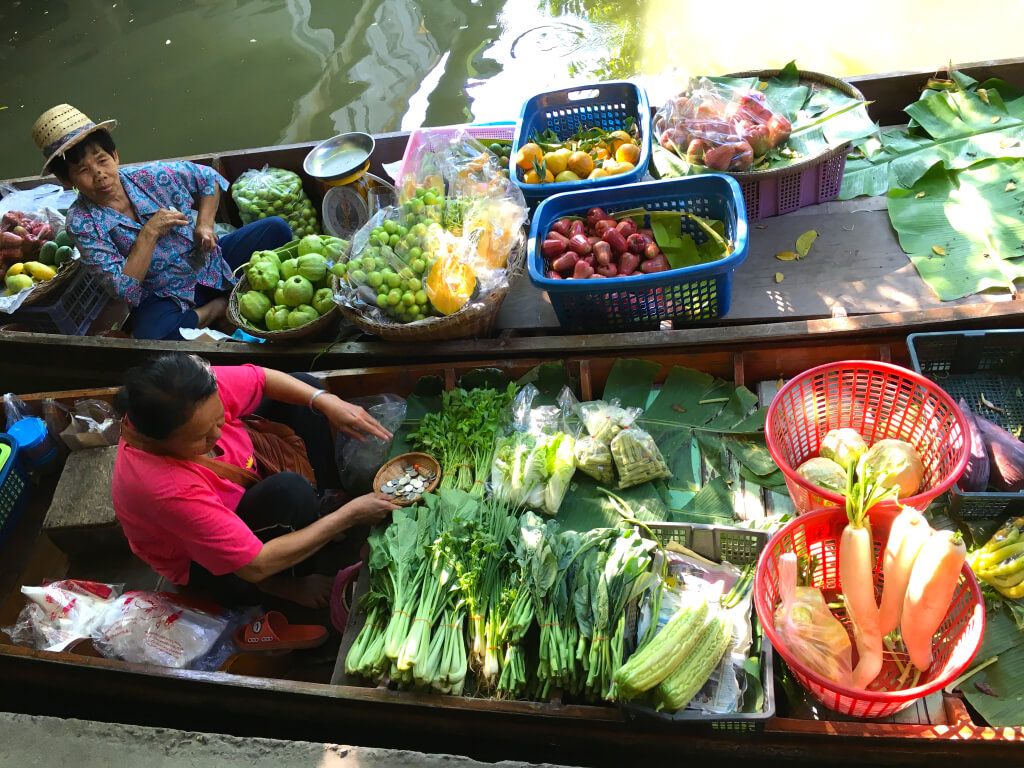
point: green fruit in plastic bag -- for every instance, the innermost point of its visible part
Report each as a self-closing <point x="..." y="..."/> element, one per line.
<point x="312" y="266"/>
<point x="289" y="268"/>
<point x="323" y="301"/>
<point x="253" y="305"/>
<point x="277" y="318"/>
<point x="310" y="244"/>
<point x="339" y="268"/>
<point x="297" y="290"/>
<point x="302" y="315"/>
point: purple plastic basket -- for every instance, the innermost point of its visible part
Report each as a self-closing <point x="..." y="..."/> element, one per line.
<point x="776" y="195"/>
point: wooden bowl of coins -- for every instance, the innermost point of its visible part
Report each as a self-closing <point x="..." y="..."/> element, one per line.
<point x="407" y="477"/>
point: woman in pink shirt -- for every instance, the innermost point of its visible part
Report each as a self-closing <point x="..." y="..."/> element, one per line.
<point x="196" y="526"/>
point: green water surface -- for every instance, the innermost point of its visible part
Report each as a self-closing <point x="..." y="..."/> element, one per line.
<point x="198" y="76"/>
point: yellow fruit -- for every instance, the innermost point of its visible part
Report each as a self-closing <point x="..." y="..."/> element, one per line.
<point x="527" y="155"/>
<point x="39" y="271"/>
<point x="628" y="153"/>
<point x="567" y="176"/>
<point x="532" y="177"/>
<point x="556" y="162"/>
<point x="449" y="285"/>
<point x="581" y="164"/>
<point x="597" y="173"/>
<point x="17" y="268"/>
<point x="618" y="138"/>
<point x="615" y="168"/>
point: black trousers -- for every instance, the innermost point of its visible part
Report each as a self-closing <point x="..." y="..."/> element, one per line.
<point x="281" y="503"/>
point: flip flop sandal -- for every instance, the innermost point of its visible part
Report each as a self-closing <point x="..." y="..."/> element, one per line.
<point x="342" y="594"/>
<point x="272" y="632"/>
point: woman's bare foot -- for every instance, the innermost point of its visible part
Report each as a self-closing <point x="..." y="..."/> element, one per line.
<point x="313" y="591"/>
<point x="207" y="313"/>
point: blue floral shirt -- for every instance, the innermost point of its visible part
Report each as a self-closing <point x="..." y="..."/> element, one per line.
<point x="105" y="236"/>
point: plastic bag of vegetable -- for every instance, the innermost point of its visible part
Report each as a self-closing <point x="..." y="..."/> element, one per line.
<point x="976" y="473"/>
<point x="809" y="629"/>
<point x="594" y="458"/>
<point x="275" y="192"/>
<point x="637" y="458"/>
<point x="534" y="458"/>
<point x="604" y="420"/>
<point x="1007" y="456"/>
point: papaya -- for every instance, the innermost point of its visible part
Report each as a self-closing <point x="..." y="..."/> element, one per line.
<point x="450" y="285"/>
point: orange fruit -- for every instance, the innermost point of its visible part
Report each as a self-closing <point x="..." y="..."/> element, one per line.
<point x="581" y="164"/>
<point x="532" y="177"/>
<point x="628" y="153"/>
<point x="618" y="138"/>
<point x="527" y="155"/>
<point x="602" y="153"/>
<point x="597" y="173"/>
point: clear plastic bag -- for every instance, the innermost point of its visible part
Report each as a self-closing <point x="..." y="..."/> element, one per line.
<point x="534" y="458"/>
<point x="275" y="192"/>
<point x="808" y="628"/>
<point x="93" y="424"/>
<point x="637" y="458"/>
<point x="358" y="461"/>
<point x="605" y="420"/>
<point x="594" y="458"/>
<point x="446" y="245"/>
<point x="722" y="127"/>
<point x="152" y="628"/>
<point x="60" y="612"/>
<point x="15" y="409"/>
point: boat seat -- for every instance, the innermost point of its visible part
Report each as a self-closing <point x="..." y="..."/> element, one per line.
<point x="81" y="516"/>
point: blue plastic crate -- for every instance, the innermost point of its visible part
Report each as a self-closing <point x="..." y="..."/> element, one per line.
<point x="602" y="105"/>
<point x="638" y="302"/>
<point x="14" y="487"/>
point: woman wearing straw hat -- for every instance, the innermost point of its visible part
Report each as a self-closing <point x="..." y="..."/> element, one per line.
<point x="137" y="226"/>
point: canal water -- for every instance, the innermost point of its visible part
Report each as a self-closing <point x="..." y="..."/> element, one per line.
<point x="197" y="76"/>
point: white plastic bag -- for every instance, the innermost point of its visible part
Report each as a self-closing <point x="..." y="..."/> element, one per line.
<point x="150" y="628"/>
<point x="58" y="613"/>
<point x="358" y="461"/>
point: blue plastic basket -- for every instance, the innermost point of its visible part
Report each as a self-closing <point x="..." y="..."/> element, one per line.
<point x="603" y="105"/>
<point x="14" y="488"/>
<point x="638" y="302"/>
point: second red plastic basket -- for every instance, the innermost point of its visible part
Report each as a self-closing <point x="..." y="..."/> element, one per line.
<point x="878" y="400"/>
<point x="816" y="535"/>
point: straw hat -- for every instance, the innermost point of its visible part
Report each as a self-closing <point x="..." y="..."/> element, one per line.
<point x="60" y="128"/>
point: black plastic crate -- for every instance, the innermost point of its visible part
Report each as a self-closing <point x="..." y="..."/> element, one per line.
<point x="69" y="311"/>
<point x="970" y="364"/>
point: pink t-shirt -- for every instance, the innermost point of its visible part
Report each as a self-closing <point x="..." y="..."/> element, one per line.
<point x="174" y="511"/>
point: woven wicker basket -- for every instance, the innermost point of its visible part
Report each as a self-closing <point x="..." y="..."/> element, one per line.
<point x="318" y="326"/>
<point x="54" y="284"/>
<point x="477" y="318"/>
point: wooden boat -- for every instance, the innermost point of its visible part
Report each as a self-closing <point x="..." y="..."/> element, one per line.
<point x="313" y="708"/>
<point x="868" y="278"/>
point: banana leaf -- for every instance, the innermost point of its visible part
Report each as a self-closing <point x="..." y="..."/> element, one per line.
<point x="957" y="128"/>
<point x="995" y="691"/>
<point x="964" y="230"/>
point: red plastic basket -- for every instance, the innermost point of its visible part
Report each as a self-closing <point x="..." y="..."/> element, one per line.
<point x="878" y="400"/>
<point x="817" y="534"/>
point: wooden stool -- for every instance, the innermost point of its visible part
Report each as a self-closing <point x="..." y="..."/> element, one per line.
<point x="81" y="516"/>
